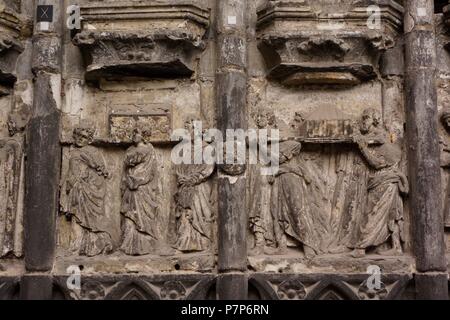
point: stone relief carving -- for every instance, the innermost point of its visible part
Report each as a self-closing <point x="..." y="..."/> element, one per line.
<point x="383" y="216"/>
<point x="194" y="206"/>
<point x="291" y="289"/>
<point x="365" y="292"/>
<point x="295" y="43"/>
<point x="141" y="200"/>
<point x="122" y="126"/>
<point x="173" y="290"/>
<point x="168" y="50"/>
<point x="83" y="196"/>
<point x="262" y="223"/>
<point x="445" y="162"/>
<point x="296" y="202"/>
<point x="362" y="211"/>
<point x="11" y="166"/>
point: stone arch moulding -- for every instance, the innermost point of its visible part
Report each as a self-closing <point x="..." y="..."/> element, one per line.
<point x="302" y="45"/>
<point x="132" y="290"/>
<point x="332" y="290"/>
<point x="145" y="40"/>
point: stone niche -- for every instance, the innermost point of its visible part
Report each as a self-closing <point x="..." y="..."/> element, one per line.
<point x="146" y="39"/>
<point x="11" y="27"/>
<point x="326" y="42"/>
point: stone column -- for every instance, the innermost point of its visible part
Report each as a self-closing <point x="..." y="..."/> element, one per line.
<point x="43" y="150"/>
<point x="423" y="150"/>
<point x="231" y="95"/>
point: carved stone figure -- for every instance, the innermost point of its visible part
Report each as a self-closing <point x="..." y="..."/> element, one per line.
<point x="297" y="202"/>
<point x="83" y="195"/>
<point x="194" y="207"/>
<point x="445" y="164"/>
<point x="11" y="167"/>
<point x="262" y="223"/>
<point x="382" y="217"/>
<point x="140" y="201"/>
<point x="10" y="220"/>
<point x="261" y="220"/>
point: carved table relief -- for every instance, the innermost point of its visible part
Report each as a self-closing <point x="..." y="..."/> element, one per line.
<point x="155" y="118"/>
<point x="339" y="188"/>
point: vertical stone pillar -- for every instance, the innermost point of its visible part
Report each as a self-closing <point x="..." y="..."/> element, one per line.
<point x="423" y="149"/>
<point x="231" y="96"/>
<point x="43" y="150"/>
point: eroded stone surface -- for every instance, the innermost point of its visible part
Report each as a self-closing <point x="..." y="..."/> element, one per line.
<point x="105" y="100"/>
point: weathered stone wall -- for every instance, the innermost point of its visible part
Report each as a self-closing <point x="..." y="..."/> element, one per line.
<point x="87" y="180"/>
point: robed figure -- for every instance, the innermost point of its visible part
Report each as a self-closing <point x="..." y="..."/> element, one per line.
<point x="297" y="198"/>
<point x="140" y="200"/>
<point x="83" y="195"/>
<point x="382" y="218"/>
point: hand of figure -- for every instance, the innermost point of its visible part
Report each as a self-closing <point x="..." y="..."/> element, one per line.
<point x="182" y="180"/>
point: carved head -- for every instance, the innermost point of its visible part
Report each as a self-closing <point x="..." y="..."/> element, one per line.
<point x="370" y="119"/>
<point x="141" y="134"/>
<point x="233" y="168"/>
<point x="18" y="119"/>
<point x="289" y="150"/>
<point x="265" y="118"/>
<point x="173" y="290"/>
<point x="445" y="118"/>
<point x="83" y="136"/>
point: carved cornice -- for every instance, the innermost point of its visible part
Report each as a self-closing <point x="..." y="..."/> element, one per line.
<point x="11" y="27"/>
<point x="168" y="45"/>
<point x="303" y="44"/>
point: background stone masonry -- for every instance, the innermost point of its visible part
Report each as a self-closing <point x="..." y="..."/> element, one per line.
<point x="87" y="181"/>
